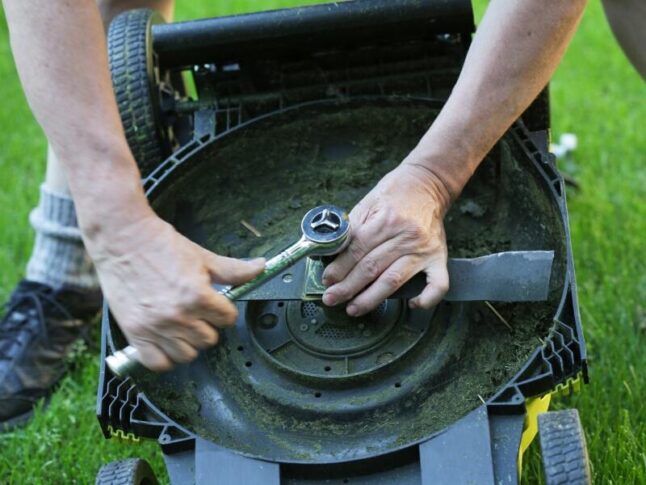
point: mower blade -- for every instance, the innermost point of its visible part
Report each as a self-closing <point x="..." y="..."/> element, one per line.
<point x="509" y="276"/>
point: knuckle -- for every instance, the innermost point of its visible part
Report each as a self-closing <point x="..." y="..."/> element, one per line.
<point x="415" y="232"/>
<point x="394" y="279"/>
<point x="331" y="274"/>
<point x="192" y="297"/>
<point x="356" y="249"/>
<point x="370" y="267"/>
<point x="207" y="336"/>
<point x="393" y="218"/>
<point x="203" y="297"/>
<point x="341" y="292"/>
<point x="186" y="355"/>
<point x="229" y="315"/>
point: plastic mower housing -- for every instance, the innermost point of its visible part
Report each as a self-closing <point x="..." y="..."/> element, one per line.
<point x="242" y="123"/>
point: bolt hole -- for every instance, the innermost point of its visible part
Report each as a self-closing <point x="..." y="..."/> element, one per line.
<point x="287" y="278"/>
<point x="281" y="303"/>
<point x="328" y="368"/>
<point x="317" y="394"/>
<point x="240" y="348"/>
<point x="248" y="363"/>
<point x="398" y="384"/>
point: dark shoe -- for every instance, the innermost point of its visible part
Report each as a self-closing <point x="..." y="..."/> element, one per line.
<point x="36" y="334"/>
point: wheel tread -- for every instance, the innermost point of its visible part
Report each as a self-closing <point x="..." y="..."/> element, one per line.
<point x="563" y="448"/>
<point x="133" y="471"/>
<point x="128" y="56"/>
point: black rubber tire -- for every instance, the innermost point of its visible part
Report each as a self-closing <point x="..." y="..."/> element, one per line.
<point x="134" y="78"/>
<point x="563" y="447"/>
<point x="126" y="472"/>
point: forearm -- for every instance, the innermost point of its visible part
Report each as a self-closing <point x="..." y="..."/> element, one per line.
<point x="515" y="51"/>
<point x="60" y="51"/>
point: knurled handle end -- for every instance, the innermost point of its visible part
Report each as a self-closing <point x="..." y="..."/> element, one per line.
<point x="123" y="362"/>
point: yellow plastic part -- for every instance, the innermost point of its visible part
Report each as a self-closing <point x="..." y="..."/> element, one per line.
<point x="534" y="406"/>
<point x="122" y="435"/>
<point x="569" y="387"/>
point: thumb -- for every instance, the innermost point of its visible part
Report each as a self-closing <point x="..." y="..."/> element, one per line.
<point x="231" y="271"/>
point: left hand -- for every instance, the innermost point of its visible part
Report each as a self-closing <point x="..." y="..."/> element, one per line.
<point x="397" y="232"/>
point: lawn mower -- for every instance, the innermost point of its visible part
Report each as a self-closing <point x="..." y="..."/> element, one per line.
<point x="241" y="125"/>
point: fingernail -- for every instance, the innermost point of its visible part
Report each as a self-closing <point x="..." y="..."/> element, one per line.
<point x="412" y="304"/>
<point x="329" y="299"/>
<point x="352" y="310"/>
<point x="259" y="261"/>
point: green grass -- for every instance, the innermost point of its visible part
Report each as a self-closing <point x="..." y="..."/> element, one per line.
<point x="595" y="94"/>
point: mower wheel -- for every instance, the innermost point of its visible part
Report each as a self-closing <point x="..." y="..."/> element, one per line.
<point x="565" y="455"/>
<point x="135" y="79"/>
<point x="126" y="472"/>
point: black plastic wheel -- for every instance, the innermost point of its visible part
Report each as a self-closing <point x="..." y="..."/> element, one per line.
<point x="564" y="452"/>
<point x="135" y="79"/>
<point x="126" y="472"/>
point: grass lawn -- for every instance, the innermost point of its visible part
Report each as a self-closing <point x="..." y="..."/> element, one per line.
<point x="595" y="93"/>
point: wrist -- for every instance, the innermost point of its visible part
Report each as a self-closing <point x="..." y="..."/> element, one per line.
<point x="108" y="195"/>
<point x="426" y="178"/>
<point x="110" y="210"/>
<point x="447" y="175"/>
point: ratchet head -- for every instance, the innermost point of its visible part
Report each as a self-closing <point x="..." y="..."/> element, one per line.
<point x="328" y="227"/>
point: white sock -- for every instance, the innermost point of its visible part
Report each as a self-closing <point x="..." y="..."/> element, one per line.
<point x="59" y="258"/>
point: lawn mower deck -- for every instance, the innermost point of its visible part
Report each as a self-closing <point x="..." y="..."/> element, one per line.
<point x="290" y="109"/>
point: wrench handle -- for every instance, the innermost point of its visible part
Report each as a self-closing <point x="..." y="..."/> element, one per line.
<point x="290" y="256"/>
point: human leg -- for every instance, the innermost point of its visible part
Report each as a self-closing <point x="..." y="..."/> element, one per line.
<point x="60" y="295"/>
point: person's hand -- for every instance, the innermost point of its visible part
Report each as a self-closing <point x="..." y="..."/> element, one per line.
<point x="397" y="232"/>
<point x="158" y="286"/>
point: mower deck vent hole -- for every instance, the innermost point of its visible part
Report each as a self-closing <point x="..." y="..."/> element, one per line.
<point x="331" y="332"/>
<point x="240" y="348"/>
<point x="317" y="394"/>
<point x="398" y="384"/>
<point x="309" y="309"/>
<point x="248" y="363"/>
<point x="327" y="368"/>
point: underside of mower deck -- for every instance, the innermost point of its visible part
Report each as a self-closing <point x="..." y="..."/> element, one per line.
<point x="241" y="124"/>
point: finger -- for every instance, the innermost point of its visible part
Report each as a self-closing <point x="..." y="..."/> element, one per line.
<point x="178" y="350"/>
<point x="364" y="272"/>
<point x="388" y="282"/>
<point x="365" y="237"/>
<point x="198" y="333"/>
<point x="437" y="278"/>
<point x="231" y="271"/>
<point x="215" y="309"/>
<point x="152" y="357"/>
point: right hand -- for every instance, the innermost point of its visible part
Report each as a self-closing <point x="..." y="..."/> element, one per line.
<point x="158" y="286"/>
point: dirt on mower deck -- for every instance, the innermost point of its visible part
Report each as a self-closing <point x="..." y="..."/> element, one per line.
<point x="248" y="199"/>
